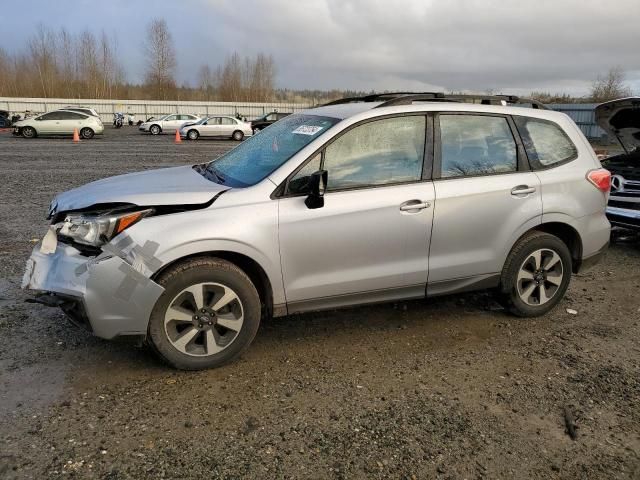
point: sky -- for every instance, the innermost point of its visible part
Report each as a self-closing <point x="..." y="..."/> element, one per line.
<point x="514" y="46"/>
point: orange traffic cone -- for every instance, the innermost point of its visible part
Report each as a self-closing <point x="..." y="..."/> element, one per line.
<point x="178" y="139"/>
<point x="76" y="137"/>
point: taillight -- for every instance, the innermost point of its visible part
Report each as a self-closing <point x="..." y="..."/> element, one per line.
<point x="601" y="179"/>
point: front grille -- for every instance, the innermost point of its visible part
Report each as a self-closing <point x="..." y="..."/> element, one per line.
<point x="622" y="204"/>
<point x="624" y="185"/>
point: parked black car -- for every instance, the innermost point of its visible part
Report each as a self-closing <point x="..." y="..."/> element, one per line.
<point x="5" y="122"/>
<point x="266" y="120"/>
<point x="621" y="119"/>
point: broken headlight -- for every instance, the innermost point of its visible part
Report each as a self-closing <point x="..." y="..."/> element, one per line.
<point x="98" y="229"/>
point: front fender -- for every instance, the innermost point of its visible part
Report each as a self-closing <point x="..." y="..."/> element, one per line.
<point x="250" y="229"/>
<point x="273" y="271"/>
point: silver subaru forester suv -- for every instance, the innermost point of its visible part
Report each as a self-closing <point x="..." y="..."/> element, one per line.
<point x="371" y="199"/>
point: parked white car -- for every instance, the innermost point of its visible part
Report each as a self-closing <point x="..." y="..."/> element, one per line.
<point x="59" y="122"/>
<point x="81" y="109"/>
<point x="168" y="123"/>
<point x="217" y="126"/>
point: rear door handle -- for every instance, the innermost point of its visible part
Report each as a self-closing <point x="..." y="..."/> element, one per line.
<point x="522" y="190"/>
<point x="414" y="206"/>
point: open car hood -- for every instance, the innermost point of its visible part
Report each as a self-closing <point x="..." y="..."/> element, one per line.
<point x="621" y="119"/>
<point x="161" y="187"/>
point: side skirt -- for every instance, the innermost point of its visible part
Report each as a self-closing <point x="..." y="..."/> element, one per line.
<point x="361" y="298"/>
<point x="465" y="284"/>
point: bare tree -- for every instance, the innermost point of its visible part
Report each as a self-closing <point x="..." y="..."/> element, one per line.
<point x="161" y="59"/>
<point x="42" y="47"/>
<point x="68" y="64"/>
<point x="610" y="87"/>
<point x="206" y="82"/>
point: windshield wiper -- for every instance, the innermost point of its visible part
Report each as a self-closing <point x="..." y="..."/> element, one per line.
<point x="219" y="178"/>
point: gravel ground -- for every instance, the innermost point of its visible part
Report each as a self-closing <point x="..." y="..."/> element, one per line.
<point x="446" y="388"/>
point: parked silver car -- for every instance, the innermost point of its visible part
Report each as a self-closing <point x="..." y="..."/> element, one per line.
<point x="339" y="205"/>
<point x="222" y="126"/>
<point x="167" y="123"/>
<point x="59" y="122"/>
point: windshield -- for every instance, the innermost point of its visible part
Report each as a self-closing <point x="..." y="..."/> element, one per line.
<point x="262" y="154"/>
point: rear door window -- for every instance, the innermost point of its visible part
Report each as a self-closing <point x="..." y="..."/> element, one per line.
<point x="545" y="142"/>
<point x="472" y="145"/>
<point x="71" y="116"/>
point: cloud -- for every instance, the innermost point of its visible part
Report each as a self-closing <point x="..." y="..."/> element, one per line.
<point x="509" y="46"/>
<point x="459" y="44"/>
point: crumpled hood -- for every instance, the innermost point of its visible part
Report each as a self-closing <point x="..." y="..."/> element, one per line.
<point x="621" y="119"/>
<point x="165" y="186"/>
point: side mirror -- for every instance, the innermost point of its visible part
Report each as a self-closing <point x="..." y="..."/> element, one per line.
<point x="317" y="187"/>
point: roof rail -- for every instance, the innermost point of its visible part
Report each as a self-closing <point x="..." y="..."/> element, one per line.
<point x="376" y="97"/>
<point x="407" y="98"/>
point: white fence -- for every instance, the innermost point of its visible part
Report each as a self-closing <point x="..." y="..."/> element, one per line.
<point x="143" y="109"/>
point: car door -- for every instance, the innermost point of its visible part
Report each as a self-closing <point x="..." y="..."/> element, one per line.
<point x="170" y="123"/>
<point x="214" y="127"/>
<point x="227" y="127"/>
<point x="70" y="121"/>
<point x="486" y="197"/>
<point x="370" y="240"/>
<point x="47" y="123"/>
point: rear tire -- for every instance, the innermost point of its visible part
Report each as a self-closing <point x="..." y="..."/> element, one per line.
<point x="87" y="133"/>
<point x="536" y="274"/>
<point x="29" y="132"/>
<point x="193" y="324"/>
<point x="237" y="136"/>
<point x="193" y="134"/>
<point x="155" y="130"/>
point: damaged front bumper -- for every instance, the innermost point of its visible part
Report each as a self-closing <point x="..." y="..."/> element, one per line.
<point x="107" y="294"/>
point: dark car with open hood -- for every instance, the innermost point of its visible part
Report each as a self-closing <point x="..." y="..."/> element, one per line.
<point x="621" y="119"/>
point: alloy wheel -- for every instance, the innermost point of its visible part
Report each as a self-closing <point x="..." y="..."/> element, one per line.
<point x="540" y="277"/>
<point x="204" y="319"/>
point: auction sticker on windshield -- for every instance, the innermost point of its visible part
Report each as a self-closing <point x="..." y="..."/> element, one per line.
<point x="307" y="129"/>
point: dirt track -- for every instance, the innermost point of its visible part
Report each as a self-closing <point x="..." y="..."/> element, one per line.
<point x="445" y="388"/>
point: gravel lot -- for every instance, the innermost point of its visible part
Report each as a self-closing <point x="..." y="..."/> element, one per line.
<point x="446" y="388"/>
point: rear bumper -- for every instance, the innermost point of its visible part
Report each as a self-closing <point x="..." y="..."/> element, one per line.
<point x="590" y="261"/>
<point x="624" y="217"/>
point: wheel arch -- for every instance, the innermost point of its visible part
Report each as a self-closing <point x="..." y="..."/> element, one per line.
<point x="256" y="273"/>
<point x="565" y="232"/>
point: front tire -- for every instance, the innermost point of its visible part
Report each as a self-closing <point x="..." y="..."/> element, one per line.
<point x="193" y="134"/>
<point x="237" y="136"/>
<point x="29" y="132"/>
<point x="536" y="274"/>
<point x="155" y="130"/>
<point x="208" y="314"/>
<point x="87" y="133"/>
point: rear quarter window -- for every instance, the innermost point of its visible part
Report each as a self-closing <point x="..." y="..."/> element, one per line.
<point x="545" y="142"/>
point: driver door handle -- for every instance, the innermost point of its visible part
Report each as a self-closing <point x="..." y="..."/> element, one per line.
<point x="522" y="190"/>
<point x="414" y="206"/>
